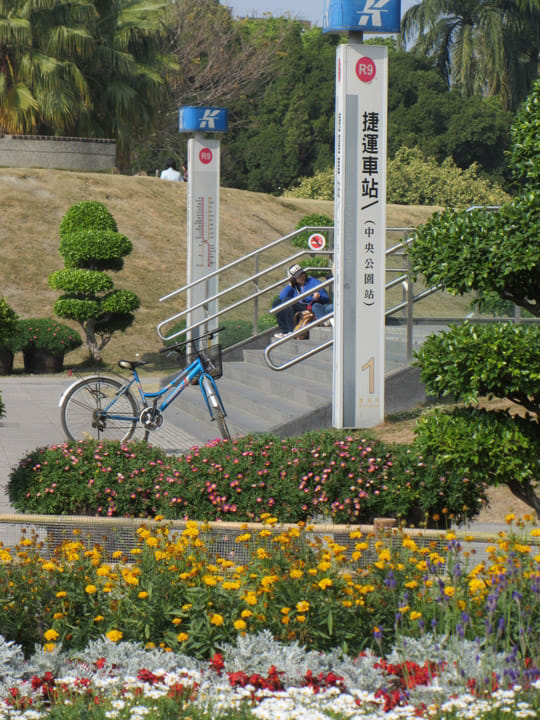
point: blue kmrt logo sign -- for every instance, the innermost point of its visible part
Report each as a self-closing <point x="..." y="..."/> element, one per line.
<point x="371" y="16"/>
<point x="202" y="119"/>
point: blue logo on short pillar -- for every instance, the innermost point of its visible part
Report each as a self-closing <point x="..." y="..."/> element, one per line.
<point x="202" y="119"/>
<point x="370" y="16"/>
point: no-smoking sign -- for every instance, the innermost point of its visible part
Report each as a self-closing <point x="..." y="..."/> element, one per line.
<point x="205" y="156"/>
<point x="316" y="241"/>
<point x="366" y="69"/>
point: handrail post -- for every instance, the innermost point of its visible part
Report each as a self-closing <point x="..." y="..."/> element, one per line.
<point x="410" y="311"/>
<point x="256" y="301"/>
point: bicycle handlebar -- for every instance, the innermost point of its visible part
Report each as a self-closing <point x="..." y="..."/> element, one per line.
<point x="182" y="344"/>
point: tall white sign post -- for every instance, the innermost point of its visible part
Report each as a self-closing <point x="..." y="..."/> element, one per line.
<point x="360" y="210"/>
<point x="202" y="208"/>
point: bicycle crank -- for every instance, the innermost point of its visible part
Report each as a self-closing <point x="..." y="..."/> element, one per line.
<point x="151" y="418"/>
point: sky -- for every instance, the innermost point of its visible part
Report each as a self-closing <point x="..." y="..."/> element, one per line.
<point x="311" y="10"/>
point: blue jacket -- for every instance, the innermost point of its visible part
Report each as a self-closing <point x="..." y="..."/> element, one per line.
<point x="311" y="283"/>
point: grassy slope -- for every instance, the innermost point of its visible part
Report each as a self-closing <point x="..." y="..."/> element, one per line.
<point x="152" y="213"/>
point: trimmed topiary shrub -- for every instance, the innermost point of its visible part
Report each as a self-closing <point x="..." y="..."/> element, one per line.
<point x="90" y="244"/>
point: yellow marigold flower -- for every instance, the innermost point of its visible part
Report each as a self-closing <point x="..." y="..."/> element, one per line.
<point x="361" y="546"/>
<point x="182" y="637"/>
<point x="355" y="534"/>
<point x="411" y="584"/>
<point x="176" y="621"/>
<point x="150" y="645"/>
<point x="415" y="615"/>
<point x="380" y="564"/>
<point x="117" y="554"/>
<point x="285" y="620"/>
<point x="384" y="555"/>
<point x="312" y="571"/>
<point x="409" y="544"/>
<point x="477" y="569"/>
<point x="477" y="585"/>
<point x="324" y="565"/>
<point x="50" y="635"/>
<point x="302" y="606"/>
<point x="90" y="589"/>
<point x="152" y="541"/>
<point x="296" y="574"/>
<point x="251" y="598"/>
<point x="49" y="647"/>
<point x="285" y="610"/>
<point x="535" y="532"/>
<point x="99" y="618"/>
<point x="49" y="566"/>
<point x="522" y="548"/>
<point x="216" y="619"/>
<point x="301" y="618"/>
<point x="240" y="624"/>
<point x="449" y="591"/>
<point x="187" y="607"/>
<point x="143" y="594"/>
<point x="347" y="603"/>
<point x="230" y="585"/>
<point x="356" y="556"/>
<point x="143" y="532"/>
<point x="509" y="519"/>
<point x="58" y="616"/>
<point x="61" y="594"/>
<point x="324" y="583"/>
<point x="403" y="609"/>
<point x="103" y="571"/>
<point x="265" y="533"/>
<point x="160" y="555"/>
<point x="268" y="580"/>
<point x="262" y="554"/>
<point x="210" y="580"/>
<point x="114" y="635"/>
<point x="243" y="538"/>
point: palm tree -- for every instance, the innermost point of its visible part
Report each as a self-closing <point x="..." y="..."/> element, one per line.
<point x="41" y="42"/>
<point x="481" y="46"/>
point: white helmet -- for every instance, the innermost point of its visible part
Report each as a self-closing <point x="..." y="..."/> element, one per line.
<point x="295" y="271"/>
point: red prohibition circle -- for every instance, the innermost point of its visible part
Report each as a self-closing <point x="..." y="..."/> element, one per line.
<point x="205" y="156"/>
<point x="366" y="69"/>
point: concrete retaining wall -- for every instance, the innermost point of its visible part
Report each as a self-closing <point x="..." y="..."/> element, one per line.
<point x="58" y="153"/>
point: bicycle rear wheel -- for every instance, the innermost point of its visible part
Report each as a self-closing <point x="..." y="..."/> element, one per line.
<point x="216" y="407"/>
<point x="82" y="410"/>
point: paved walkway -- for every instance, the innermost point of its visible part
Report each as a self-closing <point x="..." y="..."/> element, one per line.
<point x="33" y="420"/>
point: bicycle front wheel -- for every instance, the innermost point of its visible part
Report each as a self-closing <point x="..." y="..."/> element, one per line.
<point x="92" y="408"/>
<point x="216" y="407"/>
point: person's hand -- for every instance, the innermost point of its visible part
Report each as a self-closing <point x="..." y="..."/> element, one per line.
<point x="316" y="295"/>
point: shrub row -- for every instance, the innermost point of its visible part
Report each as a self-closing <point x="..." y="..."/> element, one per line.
<point x="349" y="479"/>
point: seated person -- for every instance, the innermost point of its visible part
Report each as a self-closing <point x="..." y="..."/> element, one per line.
<point x="318" y="301"/>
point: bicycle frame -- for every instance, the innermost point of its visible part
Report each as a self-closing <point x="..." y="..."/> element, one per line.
<point x="169" y="393"/>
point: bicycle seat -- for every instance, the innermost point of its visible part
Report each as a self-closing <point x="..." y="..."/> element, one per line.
<point x="131" y="364"/>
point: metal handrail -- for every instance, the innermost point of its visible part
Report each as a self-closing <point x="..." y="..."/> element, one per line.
<point x="253" y="278"/>
<point x="292" y="336"/>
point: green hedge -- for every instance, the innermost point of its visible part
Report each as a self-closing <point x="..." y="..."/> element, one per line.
<point x="346" y="478"/>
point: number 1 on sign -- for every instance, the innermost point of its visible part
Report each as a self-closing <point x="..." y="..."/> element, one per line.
<point x="370" y="365"/>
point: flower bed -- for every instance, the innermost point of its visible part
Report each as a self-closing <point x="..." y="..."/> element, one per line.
<point x="260" y="678"/>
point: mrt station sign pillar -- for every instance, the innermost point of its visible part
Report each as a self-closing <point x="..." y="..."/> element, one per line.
<point x="360" y="210"/>
<point x="202" y="208"/>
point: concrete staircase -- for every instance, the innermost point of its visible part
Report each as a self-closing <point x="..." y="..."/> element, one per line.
<point x="289" y="402"/>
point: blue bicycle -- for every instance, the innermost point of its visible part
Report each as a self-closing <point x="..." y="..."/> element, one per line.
<point x="103" y="407"/>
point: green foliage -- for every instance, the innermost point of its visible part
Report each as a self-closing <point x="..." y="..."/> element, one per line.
<point x="313" y="220"/>
<point x="91" y="248"/>
<point x="471" y="361"/>
<point x="413" y="179"/>
<point x="319" y="186"/>
<point x="350" y="481"/>
<point x="87" y="214"/>
<point x="82" y="282"/>
<point x="234" y="330"/>
<point x="525" y="149"/>
<point x="8" y="323"/>
<point x="2" y="407"/>
<point x="494" y="253"/>
<point x="479" y="447"/>
<point x="485" y="251"/>
<point x="90" y="244"/>
<point x="46" y="334"/>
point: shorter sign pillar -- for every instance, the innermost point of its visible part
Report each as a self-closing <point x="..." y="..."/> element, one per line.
<point x="202" y="208"/>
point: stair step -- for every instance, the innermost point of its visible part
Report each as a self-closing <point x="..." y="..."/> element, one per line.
<point x="299" y="389"/>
